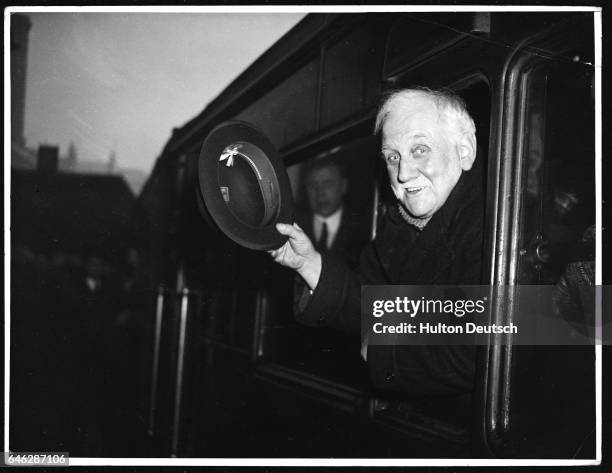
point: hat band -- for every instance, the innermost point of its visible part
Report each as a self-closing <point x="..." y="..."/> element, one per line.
<point x="261" y="166"/>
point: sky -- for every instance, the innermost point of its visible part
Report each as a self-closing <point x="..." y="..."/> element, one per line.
<point x="121" y="81"/>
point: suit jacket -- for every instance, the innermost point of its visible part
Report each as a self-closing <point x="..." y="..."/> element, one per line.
<point x="446" y="252"/>
<point x="353" y="235"/>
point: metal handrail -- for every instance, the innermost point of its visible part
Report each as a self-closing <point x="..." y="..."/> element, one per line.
<point x="159" y="307"/>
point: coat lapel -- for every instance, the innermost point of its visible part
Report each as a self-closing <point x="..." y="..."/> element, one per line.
<point x="412" y="257"/>
<point x="342" y="241"/>
<point x="430" y="257"/>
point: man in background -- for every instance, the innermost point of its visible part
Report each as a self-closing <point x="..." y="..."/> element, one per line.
<point x="331" y="226"/>
<point x="337" y="230"/>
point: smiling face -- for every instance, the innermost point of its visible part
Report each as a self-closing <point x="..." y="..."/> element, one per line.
<point x="424" y="155"/>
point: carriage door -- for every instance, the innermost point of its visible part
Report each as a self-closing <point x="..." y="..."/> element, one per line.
<point x="541" y="399"/>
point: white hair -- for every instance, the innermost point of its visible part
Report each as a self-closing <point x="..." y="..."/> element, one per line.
<point x="449" y="104"/>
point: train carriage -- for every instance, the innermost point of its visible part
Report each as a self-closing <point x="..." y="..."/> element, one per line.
<point x="233" y="375"/>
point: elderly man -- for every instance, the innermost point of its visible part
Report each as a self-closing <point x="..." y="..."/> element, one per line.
<point x="433" y="236"/>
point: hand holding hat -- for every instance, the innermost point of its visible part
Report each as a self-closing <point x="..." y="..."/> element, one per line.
<point x="298" y="253"/>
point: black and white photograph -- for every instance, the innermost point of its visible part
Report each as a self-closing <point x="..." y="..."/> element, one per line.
<point x="214" y="214"/>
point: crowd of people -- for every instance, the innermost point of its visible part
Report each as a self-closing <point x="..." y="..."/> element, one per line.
<point x="77" y="349"/>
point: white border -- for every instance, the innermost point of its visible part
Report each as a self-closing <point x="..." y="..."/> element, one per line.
<point x="336" y="462"/>
<point x="598" y="228"/>
<point x="7" y="221"/>
<point x="297" y="9"/>
<point x="302" y="9"/>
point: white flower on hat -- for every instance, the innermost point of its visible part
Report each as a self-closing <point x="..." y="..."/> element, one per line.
<point x="229" y="153"/>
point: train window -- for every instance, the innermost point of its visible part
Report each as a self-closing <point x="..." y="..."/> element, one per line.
<point x="559" y="176"/>
<point x="287" y="113"/>
<point x="324" y="353"/>
<point x="351" y="76"/>
<point x="324" y="359"/>
<point x="407" y="414"/>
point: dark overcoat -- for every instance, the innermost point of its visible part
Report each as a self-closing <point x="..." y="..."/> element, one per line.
<point x="448" y="251"/>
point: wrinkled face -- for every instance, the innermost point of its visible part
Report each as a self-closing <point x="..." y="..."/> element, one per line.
<point x="421" y="155"/>
<point x="325" y="188"/>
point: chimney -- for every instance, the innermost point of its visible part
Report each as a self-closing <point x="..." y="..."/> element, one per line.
<point x="48" y="159"/>
<point x="20" y="30"/>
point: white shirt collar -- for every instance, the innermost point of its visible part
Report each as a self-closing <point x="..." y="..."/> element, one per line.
<point x="333" y="224"/>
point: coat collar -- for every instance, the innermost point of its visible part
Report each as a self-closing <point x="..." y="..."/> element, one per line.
<point x="410" y="256"/>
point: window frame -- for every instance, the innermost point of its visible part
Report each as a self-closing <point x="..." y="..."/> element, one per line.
<point x="506" y="213"/>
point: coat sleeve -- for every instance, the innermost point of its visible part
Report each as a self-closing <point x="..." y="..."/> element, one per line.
<point x="336" y="300"/>
<point x="412" y="370"/>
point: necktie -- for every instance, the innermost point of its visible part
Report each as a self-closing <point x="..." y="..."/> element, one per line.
<point x="322" y="241"/>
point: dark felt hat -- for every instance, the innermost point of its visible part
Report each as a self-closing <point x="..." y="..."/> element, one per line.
<point x="244" y="185"/>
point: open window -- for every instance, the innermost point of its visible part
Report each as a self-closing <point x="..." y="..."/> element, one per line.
<point x="325" y="359"/>
<point x="445" y="420"/>
<point x="325" y="364"/>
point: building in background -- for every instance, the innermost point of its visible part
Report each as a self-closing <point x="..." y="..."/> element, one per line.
<point x="21" y="156"/>
<point x="58" y="201"/>
<point x="71" y="213"/>
<point x="24" y="156"/>
<point x="20" y="31"/>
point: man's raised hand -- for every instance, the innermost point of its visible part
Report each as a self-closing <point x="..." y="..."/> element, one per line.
<point x="298" y="253"/>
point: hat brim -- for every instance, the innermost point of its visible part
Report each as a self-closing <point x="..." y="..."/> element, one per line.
<point x="244" y="185"/>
